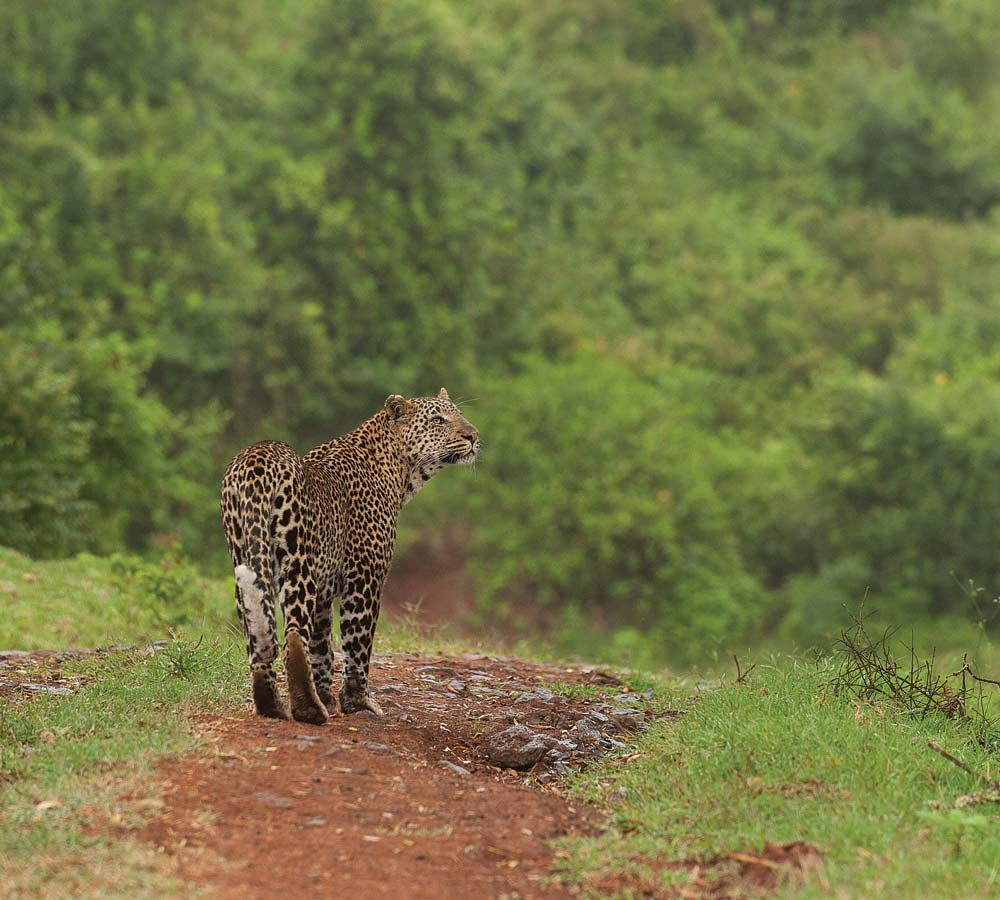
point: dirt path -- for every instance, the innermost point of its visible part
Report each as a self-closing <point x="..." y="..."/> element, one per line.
<point x="453" y="794"/>
<point x="418" y="804"/>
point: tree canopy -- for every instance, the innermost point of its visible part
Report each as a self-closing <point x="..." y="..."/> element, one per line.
<point x="721" y="278"/>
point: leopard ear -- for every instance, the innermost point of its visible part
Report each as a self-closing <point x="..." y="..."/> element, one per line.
<point x="443" y="395"/>
<point x="396" y="406"/>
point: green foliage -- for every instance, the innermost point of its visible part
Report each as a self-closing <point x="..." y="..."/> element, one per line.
<point x="721" y="276"/>
<point x="635" y="520"/>
<point x="43" y="447"/>
<point x="172" y="588"/>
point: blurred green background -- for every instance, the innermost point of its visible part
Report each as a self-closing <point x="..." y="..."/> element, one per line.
<point x="720" y="278"/>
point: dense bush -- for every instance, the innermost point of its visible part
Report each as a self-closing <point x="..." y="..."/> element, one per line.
<point x="720" y="276"/>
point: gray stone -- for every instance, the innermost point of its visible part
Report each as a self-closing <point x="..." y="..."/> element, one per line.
<point x="517" y="747"/>
<point x="486" y="692"/>
<point x="538" y="695"/>
<point x="627" y="699"/>
<point x="586" y="734"/>
<point x="454" y="767"/>
<point x="624" y="718"/>
<point x="272" y="800"/>
<point x="53" y="689"/>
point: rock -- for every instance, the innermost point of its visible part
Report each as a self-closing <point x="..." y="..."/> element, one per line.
<point x="626" y="719"/>
<point x="517" y="747"/>
<point x="557" y="754"/>
<point x="54" y="689"/>
<point x="437" y="673"/>
<point x="538" y="695"/>
<point x="378" y="748"/>
<point x="586" y="734"/>
<point x="486" y="692"/>
<point x="627" y="699"/>
<point x="272" y="800"/>
<point x="315" y="822"/>
<point x="457" y="769"/>
<point x="622" y="717"/>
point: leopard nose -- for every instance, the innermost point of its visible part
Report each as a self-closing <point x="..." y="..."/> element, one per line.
<point x="472" y="435"/>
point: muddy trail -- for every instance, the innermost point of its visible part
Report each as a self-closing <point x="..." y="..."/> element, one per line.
<point x="446" y="796"/>
<point x="453" y="793"/>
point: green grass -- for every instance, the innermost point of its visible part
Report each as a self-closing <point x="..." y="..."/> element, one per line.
<point x="780" y="759"/>
<point x="89" y="601"/>
<point x="68" y="762"/>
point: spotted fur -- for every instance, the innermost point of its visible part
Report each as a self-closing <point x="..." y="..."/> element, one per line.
<point x="303" y="531"/>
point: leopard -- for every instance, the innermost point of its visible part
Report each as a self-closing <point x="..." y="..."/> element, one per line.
<point x="305" y="532"/>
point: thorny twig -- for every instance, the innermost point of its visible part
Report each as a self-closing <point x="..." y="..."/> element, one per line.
<point x="937" y="748"/>
<point x="967" y="670"/>
<point x="870" y="671"/>
<point x="741" y="677"/>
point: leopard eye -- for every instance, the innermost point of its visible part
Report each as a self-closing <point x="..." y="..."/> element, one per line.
<point x="438" y="420"/>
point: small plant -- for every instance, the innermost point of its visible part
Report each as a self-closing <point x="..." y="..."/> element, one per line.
<point x="986" y="610"/>
<point x="186" y="659"/>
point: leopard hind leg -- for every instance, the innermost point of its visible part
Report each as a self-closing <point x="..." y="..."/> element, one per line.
<point x="298" y="599"/>
<point x="255" y="602"/>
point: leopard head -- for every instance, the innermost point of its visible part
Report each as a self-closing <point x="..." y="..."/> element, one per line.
<point x="433" y="434"/>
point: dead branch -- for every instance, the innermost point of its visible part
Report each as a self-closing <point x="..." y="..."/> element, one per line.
<point x="937" y="748"/>
<point x="741" y="677"/>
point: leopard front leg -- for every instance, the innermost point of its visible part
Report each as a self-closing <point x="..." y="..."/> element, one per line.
<point x="359" y="608"/>
<point x="321" y="651"/>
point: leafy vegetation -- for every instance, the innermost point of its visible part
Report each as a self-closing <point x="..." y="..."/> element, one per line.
<point x="721" y="277"/>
